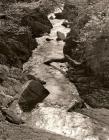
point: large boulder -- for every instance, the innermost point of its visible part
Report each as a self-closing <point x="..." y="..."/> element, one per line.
<point x="59" y="15"/>
<point x="37" y="21"/>
<point x="60" y="36"/>
<point x="66" y="24"/>
<point x="33" y="93"/>
<point x="70" y="11"/>
<point x="16" y="48"/>
<point x="38" y="29"/>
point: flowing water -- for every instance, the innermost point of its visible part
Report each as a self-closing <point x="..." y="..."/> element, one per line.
<point x="52" y="115"/>
<point x="61" y="90"/>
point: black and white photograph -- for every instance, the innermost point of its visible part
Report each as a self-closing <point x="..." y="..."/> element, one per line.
<point x="54" y="69"/>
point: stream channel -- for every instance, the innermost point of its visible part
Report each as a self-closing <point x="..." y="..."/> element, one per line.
<point x="51" y="115"/>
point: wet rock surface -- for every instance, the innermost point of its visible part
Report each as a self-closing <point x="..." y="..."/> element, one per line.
<point x="66" y="24"/>
<point x="60" y="36"/>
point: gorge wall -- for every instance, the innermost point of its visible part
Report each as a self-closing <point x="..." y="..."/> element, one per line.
<point x="19" y="25"/>
<point x="86" y="51"/>
<point x="87" y="46"/>
<point x="18" y="32"/>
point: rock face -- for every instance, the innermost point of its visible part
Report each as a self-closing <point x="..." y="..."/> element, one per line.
<point x="5" y="99"/>
<point x="60" y="36"/>
<point x="98" y="57"/>
<point x="3" y="73"/>
<point x="11" y="82"/>
<point x="76" y="104"/>
<point x="87" y="43"/>
<point x="38" y="22"/>
<point x="33" y="93"/>
<point x="16" y="45"/>
<point x="17" y="39"/>
<point x="70" y="10"/>
<point x="15" y="49"/>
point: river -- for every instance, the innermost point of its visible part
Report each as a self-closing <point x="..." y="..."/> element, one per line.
<point x="51" y="115"/>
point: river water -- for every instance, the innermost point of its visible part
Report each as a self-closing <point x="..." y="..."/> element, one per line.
<point x="61" y="90"/>
<point x="52" y="115"/>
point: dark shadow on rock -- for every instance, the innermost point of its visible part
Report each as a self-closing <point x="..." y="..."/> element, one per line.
<point x="37" y="21"/>
<point x="59" y="15"/>
<point x="76" y="104"/>
<point x="60" y="36"/>
<point x="66" y="24"/>
<point x="48" y="39"/>
<point x="33" y="93"/>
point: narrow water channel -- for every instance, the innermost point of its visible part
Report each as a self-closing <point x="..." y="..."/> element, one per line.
<point x="52" y="115"/>
<point x="61" y="90"/>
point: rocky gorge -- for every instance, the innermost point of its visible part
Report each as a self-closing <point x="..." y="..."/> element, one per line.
<point x="88" y="46"/>
<point x="58" y="108"/>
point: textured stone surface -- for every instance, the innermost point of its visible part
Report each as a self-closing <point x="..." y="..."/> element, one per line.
<point x="37" y="21"/>
<point x="11" y="117"/>
<point x="33" y="93"/>
<point x="98" y="56"/>
<point x="5" y="99"/>
<point x="88" y="43"/>
<point x="73" y="125"/>
<point x="15" y="132"/>
<point x="15" y="49"/>
<point x="60" y="36"/>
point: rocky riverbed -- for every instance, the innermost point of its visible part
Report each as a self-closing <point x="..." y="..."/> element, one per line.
<point x="51" y="115"/>
<point x="50" y="118"/>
